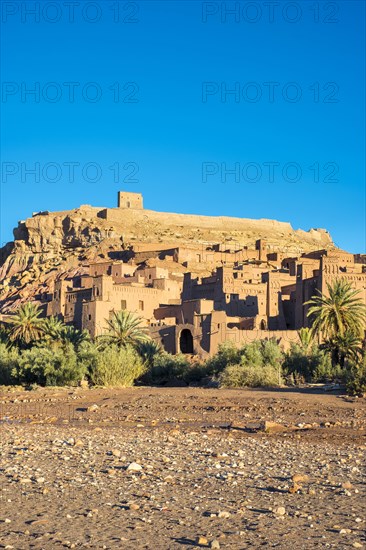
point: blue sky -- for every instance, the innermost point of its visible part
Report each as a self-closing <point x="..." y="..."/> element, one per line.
<point x="171" y="130"/>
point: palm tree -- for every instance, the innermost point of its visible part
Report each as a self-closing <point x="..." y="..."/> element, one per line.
<point x="343" y="348"/>
<point x="341" y="311"/>
<point x="57" y="334"/>
<point x="26" y="326"/>
<point x="4" y="334"/>
<point x="74" y="336"/>
<point x="148" y="349"/>
<point x="306" y="339"/>
<point x="125" y="328"/>
<point x="52" y="327"/>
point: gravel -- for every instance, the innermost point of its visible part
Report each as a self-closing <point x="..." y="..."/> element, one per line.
<point x="176" y="483"/>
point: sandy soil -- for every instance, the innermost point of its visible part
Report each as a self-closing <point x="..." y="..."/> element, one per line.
<point x="209" y="472"/>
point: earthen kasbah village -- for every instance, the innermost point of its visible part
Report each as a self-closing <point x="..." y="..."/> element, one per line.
<point x="197" y="281"/>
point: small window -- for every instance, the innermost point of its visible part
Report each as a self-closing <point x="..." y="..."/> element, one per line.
<point x="89" y="317"/>
<point x="141" y="305"/>
<point x="123" y="304"/>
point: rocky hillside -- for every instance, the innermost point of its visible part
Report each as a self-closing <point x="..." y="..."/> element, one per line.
<point x="59" y="244"/>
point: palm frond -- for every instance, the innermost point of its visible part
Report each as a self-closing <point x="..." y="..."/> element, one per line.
<point x="125" y="328"/>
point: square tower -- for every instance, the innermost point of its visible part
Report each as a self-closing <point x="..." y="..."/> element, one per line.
<point x="130" y="200"/>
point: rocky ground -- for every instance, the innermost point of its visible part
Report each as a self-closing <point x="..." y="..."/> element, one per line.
<point x="176" y="468"/>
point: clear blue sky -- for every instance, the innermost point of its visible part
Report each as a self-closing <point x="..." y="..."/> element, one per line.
<point x="179" y="131"/>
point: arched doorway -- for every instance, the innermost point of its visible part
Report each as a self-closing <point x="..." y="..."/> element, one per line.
<point x="263" y="325"/>
<point x="186" y="341"/>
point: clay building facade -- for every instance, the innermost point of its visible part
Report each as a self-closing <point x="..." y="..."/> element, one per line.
<point x="241" y="301"/>
<point x="194" y="297"/>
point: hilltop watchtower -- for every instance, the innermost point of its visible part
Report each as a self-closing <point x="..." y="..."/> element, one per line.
<point x="130" y="200"/>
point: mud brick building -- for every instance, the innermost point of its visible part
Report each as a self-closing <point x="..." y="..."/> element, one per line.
<point x="193" y="296"/>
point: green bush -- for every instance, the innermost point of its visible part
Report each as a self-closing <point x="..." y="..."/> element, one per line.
<point x="356" y="377"/>
<point x="112" y="366"/>
<point x="167" y="367"/>
<point x="195" y="373"/>
<point x="326" y="372"/>
<point x="311" y="365"/>
<point x="87" y="354"/>
<point x="259" y="365"/>
<point x="9" y="358"/>
<point x="261" y="353"/>
<point x="227" y="354"/>
<point x="254" y="376"/>
<point x="272" y="353"/>
<point x="4" y="334"/>
<point x="49" y="367"/>
<point x="251" y="354"/>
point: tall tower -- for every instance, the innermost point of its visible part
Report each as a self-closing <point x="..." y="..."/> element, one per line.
<point x="261" y="245"/>
<point x="130" y="200"/>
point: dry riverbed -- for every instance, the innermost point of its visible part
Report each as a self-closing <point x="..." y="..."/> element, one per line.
<point x="181" y="468"/>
